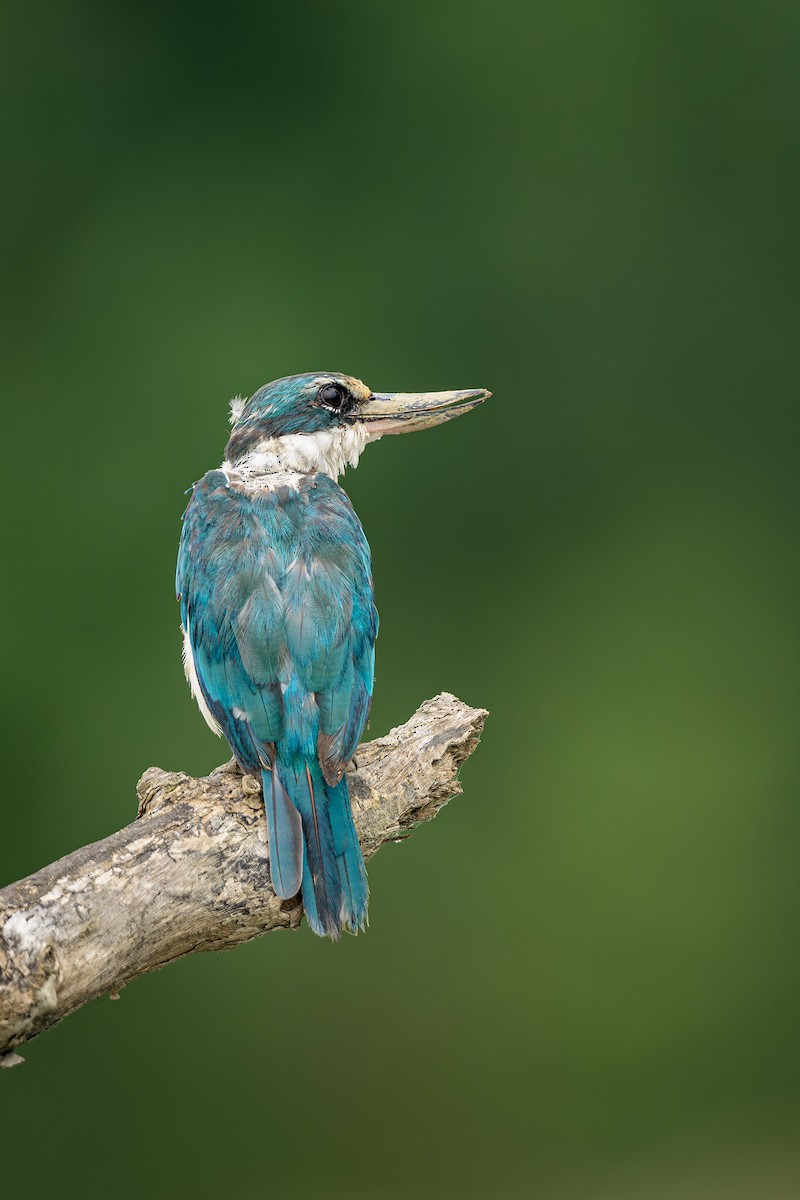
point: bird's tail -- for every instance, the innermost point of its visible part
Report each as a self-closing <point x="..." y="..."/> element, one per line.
<point x="334" y="880"/>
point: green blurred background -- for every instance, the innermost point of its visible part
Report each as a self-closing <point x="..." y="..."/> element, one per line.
<point x="581" y="982"/>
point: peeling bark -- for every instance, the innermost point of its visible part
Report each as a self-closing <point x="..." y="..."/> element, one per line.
<point x="192" y="872"/>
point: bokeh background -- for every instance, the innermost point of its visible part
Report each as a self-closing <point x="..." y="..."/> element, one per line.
<point x="581" y="982"/>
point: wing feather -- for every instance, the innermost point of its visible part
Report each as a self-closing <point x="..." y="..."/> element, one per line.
<point x="276" y="598"/>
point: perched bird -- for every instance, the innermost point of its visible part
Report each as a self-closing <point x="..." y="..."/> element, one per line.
<point x="279" y="621"/>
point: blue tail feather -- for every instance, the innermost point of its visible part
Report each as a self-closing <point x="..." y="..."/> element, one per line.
<point x="334" y="880"/>
<point x="349" y="859"/>
<point x="285" y="829"/>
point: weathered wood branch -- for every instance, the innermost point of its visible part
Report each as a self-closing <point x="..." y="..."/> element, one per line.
<point x="192" y="872"/>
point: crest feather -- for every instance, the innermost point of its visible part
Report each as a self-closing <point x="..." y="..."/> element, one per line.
<point x="237" y="408"/>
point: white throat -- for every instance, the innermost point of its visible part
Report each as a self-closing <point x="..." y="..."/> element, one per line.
<point x="328" y="451"/>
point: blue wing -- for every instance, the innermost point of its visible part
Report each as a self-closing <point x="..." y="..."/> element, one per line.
<point x="277" y="602"/>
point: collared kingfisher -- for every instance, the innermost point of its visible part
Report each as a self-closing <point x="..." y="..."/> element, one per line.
<point x="279" y="622"/>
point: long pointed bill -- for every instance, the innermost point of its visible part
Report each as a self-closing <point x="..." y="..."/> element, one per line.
<point x="403" y="412"/>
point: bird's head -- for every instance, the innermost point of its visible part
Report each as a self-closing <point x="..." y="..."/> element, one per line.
<point x="321" y="421"/>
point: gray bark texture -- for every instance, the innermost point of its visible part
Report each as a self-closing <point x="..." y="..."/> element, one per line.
<point x="191" y="873"/>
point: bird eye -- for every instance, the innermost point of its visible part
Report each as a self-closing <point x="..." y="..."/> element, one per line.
<point x="332" y="395"/>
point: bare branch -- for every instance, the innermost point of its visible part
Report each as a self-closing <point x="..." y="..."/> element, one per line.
<point x="192" y="873"/>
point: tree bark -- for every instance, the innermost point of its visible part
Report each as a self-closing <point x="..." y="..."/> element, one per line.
<point x="192" y="872"/>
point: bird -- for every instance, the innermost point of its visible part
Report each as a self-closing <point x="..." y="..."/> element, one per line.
<point x="277" y="608"/>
